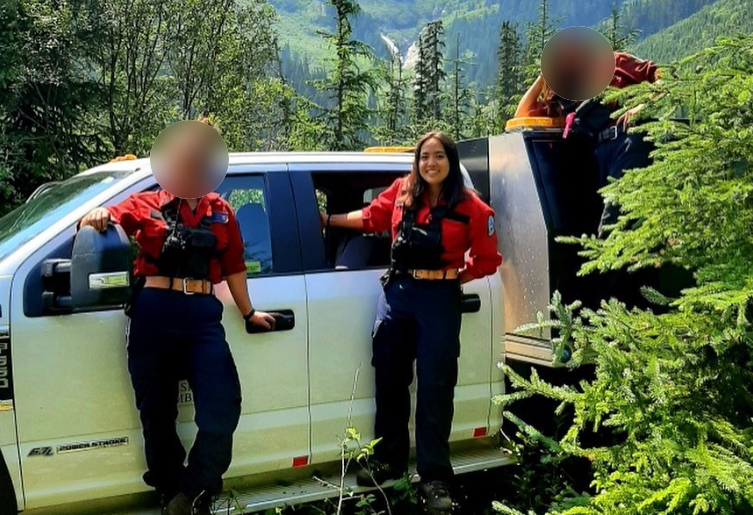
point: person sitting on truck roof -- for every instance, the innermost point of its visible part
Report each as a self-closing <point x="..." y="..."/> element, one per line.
<point x="434" y="219"/>
<point x="186" y="246"/>
<point x="615" y="149"/>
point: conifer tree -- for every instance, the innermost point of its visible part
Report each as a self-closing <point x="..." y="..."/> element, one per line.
<point x="420" y="81"/>
<point x="673" y="384"/>
<point x="537" y="36"/>
<point x="429" y="73"/>
<point x="346" y="84"/>
<point x="393" y="108"/>
<point x="509" y="76"/>
<point x="458" y="94"/>
<point x="617" y="34"/>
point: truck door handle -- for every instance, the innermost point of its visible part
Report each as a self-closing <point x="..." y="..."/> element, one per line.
<point x="471" y="303"/>
<point x="284" y="321"/>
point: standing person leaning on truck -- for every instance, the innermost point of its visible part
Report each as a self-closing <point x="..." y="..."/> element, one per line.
<point x="433" y="220"/>
<point x="186" y="246"/>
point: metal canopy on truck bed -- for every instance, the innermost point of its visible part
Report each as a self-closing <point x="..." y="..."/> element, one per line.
<point x="541" y="187"/>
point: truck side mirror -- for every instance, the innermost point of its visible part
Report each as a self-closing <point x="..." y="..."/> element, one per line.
<point x="100" y="268"/>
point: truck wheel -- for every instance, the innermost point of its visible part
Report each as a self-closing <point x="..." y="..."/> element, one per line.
<point x="7" y="493"/>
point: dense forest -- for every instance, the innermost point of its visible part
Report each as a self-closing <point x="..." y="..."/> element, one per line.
<point x="699" y="31"/>
<point x="81" y="81"/>
<point x="475" y="23"/>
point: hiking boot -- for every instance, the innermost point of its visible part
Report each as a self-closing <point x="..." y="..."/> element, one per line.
<point x="178" y="505"/>
<point x="165" y="496"/>
<point x="181" y="504"/>
<point x="375" y="473"/>
<point x="436" y="497"/>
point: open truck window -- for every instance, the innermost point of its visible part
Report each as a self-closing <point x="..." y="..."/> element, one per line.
<point x="347" y="191"/>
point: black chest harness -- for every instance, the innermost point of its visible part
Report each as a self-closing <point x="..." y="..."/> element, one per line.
<point x="186" y="251"/>
<point x="419" y="246"/>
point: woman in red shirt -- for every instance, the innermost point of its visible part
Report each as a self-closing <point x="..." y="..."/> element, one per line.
<point x="434" y="220"/>
<point x="175" y="331"/>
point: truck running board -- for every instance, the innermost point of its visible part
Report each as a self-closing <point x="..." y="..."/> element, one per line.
<point x="260" y="498"/>
<point x="311" y="490"/>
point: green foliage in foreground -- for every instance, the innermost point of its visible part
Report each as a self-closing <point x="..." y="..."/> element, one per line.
<point x="672" y="391"/>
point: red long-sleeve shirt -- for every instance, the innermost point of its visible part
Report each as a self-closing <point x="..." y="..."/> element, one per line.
<point x="628" y="71"/>
<point x="140" y="216"/>
<point x="479" y="235"/>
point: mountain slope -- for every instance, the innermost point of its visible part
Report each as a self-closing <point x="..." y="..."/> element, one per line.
<point x="401" y="20"/>
<point x="477" y="23"/>
<point x="698" y="31"/>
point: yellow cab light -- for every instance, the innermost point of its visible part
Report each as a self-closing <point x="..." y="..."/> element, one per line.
<point x="534" y="122"/>
<point x="388" y="150"/>
<point x="126" y="157"/>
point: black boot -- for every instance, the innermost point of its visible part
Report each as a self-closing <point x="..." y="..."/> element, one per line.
<point x="436" y="497"/>
<point x="375" y="473"/>
<point x="181" y="504"/>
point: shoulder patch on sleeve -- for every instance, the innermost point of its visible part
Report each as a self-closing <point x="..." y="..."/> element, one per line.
<point x="219" y="217"/>
<point x="490" y="226"/>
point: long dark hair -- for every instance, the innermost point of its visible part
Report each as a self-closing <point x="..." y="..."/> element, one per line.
<point x="453" y="187"/>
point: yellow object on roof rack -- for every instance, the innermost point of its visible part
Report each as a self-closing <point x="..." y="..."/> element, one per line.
<point x="389" y="150"/>
<point x="534" y="122"/>
<point x="126" y="157"/>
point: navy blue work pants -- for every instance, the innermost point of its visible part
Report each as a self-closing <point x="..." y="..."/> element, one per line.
<point x="625" y="152"/>
<point x="614" y="157"/>
<point x="417" y="320"/>
<point x="173" y="336"/>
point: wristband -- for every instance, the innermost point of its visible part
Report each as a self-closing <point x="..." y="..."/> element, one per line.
<point x="250" y="314"/>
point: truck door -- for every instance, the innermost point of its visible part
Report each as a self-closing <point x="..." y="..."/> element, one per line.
<point x="342" y="281"/>
<point x="78" y="428"/>
<point x="273" y="433"/>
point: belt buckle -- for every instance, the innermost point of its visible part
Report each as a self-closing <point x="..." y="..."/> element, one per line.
<point x="185" y="279"/>
<point x="613" y="132"/>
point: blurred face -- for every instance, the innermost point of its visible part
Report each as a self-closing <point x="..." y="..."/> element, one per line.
<point x="433" y="164"/>
<point x="189" y="159"/>
<point x="577" y="63"/>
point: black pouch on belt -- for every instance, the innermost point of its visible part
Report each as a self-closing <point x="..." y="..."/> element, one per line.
<point x="199" y="250"/>
<point x="138" y="285"/>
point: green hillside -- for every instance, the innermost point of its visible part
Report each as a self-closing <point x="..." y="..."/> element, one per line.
<point x="698" y="31"/>
<point x="476" y="21"/>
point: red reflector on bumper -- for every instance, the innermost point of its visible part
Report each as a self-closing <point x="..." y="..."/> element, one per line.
<point x="300" y="461"/>
<point x="479" y="432"/>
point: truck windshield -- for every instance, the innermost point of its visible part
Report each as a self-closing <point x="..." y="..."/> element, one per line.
<point x="31" y="218"/>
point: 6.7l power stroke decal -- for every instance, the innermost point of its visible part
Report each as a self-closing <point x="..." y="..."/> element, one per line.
<point x="80" y="446"/>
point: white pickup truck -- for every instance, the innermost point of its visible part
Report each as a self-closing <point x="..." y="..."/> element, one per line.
<point x="70" y="437"/>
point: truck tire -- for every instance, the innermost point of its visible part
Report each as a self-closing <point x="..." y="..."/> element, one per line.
<point x="8" y="504"/>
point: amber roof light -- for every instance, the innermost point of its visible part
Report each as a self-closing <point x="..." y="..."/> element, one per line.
<point x="534" y="122"/>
